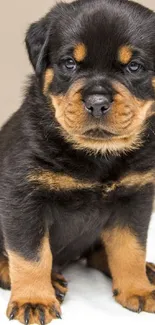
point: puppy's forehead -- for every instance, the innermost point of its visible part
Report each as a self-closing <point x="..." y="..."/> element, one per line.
<point x="102" y="31"/>
<point x="100" y="42"/>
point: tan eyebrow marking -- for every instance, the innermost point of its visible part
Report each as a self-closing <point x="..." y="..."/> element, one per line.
<point x="125" y="54"/>
<point x="80" y="52"/>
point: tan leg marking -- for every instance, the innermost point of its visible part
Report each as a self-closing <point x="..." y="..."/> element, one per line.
<point x="4" y="273"/>
<point x="126" y="257"/>
<point x="99" y="260"/>
<point x="32" y="295"/>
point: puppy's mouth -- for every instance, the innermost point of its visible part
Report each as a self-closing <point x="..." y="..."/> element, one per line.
<point x="98" y="133"/>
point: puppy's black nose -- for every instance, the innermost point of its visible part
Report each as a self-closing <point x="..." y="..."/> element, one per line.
<point x="97" y="104"/>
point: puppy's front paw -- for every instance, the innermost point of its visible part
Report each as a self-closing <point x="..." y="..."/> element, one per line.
<point x="150" y="271"/>
<point x="34" y="312"/>
<point x="137" y="300"/>
<point x="60" y="285"/>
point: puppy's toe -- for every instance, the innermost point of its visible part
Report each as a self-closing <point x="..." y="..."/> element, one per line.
<point x="34" y="313"/>
<point x="60" y="285"/>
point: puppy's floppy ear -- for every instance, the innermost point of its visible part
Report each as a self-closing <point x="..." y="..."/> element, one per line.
<point x="38" y="34"/>
<point x="36" y="40"/>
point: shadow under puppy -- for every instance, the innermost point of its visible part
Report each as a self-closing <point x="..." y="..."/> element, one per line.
<point x="77" y="163"/>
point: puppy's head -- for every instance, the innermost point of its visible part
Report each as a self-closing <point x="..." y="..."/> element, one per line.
<point x="96" y="64"/>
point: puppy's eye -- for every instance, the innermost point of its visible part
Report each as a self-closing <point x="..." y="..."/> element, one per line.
<point x="134" y="67"/>
<point x="70" y="64"/>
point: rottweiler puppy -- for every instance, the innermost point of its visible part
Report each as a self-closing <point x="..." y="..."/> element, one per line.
<point x="77" y="162"/>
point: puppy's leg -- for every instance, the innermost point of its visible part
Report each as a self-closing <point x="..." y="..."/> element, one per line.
<point x="98" y="259"/>
<point x="58" y="281"/>
<point x="32" y="295"/>
<point x="125" y="243"/>
<point x="4" y="273"/>
<point x="33" y="299"/>
<point x="4" y="265"/>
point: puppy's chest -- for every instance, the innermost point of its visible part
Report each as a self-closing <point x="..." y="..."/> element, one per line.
<point x="78" y="207"/>
<point x="76" y="220"/>
<point x="79" y="203"/>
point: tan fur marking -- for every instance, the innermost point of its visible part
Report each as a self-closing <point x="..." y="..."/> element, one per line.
<point x="59" y="182"/>
<point x="153" y="82"/>
<point x="120" y="244"/>
<point x="110" y="188"/>
<point x="69" y="109"/>
<point x="56" y="278"/>
<point x="4" y="272"/>
<point x="126" y="120"/>
<point x="30" y="275"/>
<point x="138" y="179"/>
<point x="99" y="260"/>
<point x="114" y="145"/>
<point x="128" y="114"/>
<point x="133" y="179"/>
<point x="80" y="52"/>
<point x="31" y="283"/>
<point x="48" y="77"/>
<point x="125" y="54"/>
<point x="126" y="260"/>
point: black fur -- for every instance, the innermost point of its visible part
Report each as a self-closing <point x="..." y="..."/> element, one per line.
<point x="30" y="139"/>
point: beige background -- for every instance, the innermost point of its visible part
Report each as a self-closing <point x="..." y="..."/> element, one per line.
<point x="15" y="16"/>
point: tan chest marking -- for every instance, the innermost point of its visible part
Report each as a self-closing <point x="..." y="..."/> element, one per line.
<point x="59" y="182"/>
<point x="137" y="180"/>
<point x="63" y="182"/>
